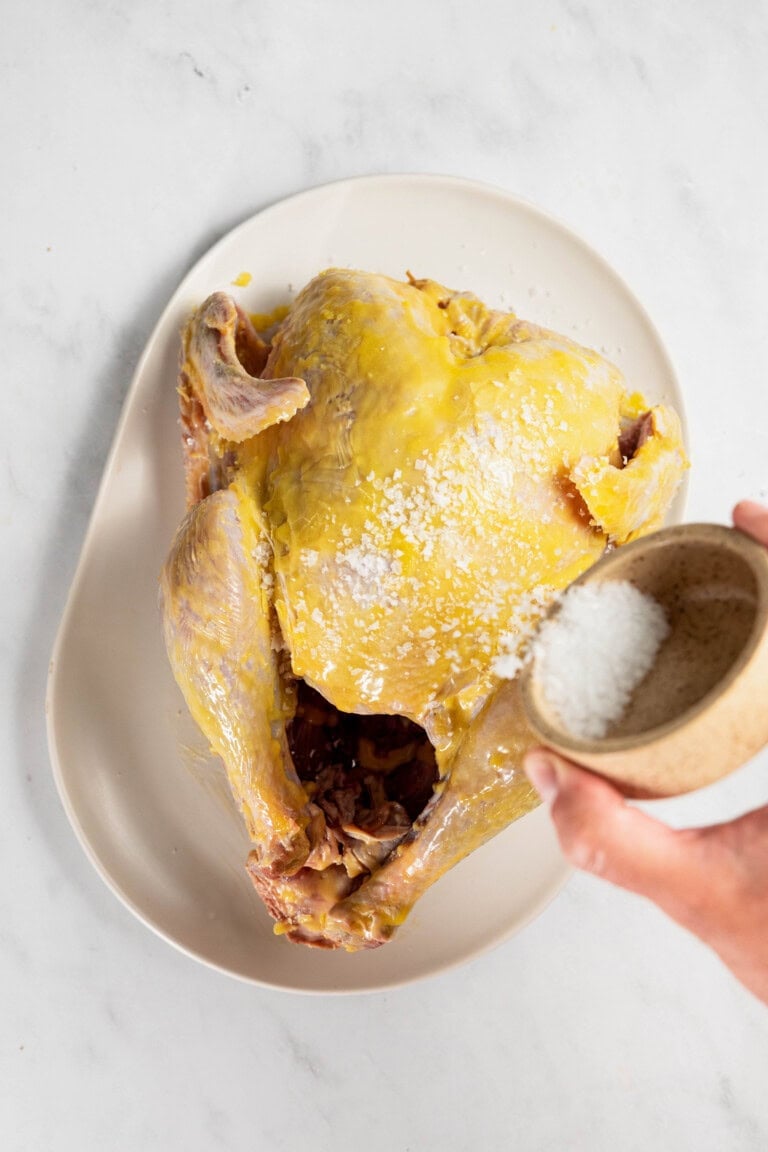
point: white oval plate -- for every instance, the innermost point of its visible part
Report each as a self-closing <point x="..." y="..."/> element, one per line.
<point x="150" y="810"/>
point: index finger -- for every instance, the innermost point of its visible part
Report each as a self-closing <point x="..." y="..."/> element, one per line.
<point x="752" y="518"/>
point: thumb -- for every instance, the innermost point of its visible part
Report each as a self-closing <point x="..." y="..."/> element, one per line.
<point x="600" y="833"/>
<point x="752" y="518"/>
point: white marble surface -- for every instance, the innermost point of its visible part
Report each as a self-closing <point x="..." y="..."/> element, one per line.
<point x="133" y="135"/>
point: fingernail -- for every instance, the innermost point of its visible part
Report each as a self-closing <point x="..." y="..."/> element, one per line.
<point x="542" y="773"/>
<point x="751" y="509"/>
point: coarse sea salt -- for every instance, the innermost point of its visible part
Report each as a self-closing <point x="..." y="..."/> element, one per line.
<point x="594" y="653"/>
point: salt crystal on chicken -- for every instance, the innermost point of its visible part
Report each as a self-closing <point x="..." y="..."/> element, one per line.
<point x="594" y="653"/>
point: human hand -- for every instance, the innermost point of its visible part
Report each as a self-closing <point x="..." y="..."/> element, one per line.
<point x="713" y="881"/>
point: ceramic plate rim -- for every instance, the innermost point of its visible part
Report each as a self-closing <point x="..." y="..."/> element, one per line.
<point x="537" y="906"/>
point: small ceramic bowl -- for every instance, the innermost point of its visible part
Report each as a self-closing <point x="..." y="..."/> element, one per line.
<point x="702" y="710"/>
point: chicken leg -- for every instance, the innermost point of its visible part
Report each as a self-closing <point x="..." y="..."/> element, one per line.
<point x="484" y="792"/>
<point x="218" y="632"/>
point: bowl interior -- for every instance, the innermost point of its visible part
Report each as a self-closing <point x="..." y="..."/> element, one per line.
<point x="710" y="593"/>
<point x="709" y="597"/>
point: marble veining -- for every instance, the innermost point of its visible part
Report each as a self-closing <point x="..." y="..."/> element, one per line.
<point x="135" y="134"/>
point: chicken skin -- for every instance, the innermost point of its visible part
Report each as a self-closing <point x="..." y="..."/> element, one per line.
<point x="383" y="501"/>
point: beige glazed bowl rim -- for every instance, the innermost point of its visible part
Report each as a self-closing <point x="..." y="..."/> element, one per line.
<point x="715" y="536"/>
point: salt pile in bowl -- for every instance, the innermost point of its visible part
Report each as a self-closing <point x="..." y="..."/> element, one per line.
<point x="592" y="655"/>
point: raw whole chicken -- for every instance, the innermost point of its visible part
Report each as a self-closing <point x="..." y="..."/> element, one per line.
<point x="383" y="499"/>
